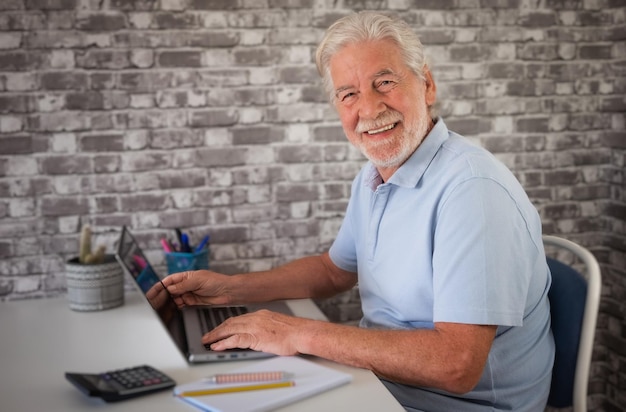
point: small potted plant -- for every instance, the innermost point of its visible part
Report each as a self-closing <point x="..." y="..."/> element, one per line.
<point x="95" y="280"/>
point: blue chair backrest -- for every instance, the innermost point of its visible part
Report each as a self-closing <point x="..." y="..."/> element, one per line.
<point x="567" y="296"/>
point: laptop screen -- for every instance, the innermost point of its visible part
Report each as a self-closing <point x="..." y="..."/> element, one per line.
<point x="132" y="258"/>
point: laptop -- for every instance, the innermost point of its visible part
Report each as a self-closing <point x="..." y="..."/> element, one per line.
<point x="185" y="326"/>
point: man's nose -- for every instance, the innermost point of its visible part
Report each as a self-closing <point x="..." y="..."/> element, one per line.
<point x="371" y="105"/>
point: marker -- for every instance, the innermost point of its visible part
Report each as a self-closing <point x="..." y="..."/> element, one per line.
<point x="273" y="376"/>
<point x="202" y="243"/>
<point x="231" y="389"/>
<point x="166" y="245"/>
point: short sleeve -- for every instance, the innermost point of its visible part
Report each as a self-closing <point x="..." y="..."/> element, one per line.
<point x="483" y="256"/>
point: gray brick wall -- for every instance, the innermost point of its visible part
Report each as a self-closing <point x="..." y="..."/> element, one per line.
<point x="208" y="115"/>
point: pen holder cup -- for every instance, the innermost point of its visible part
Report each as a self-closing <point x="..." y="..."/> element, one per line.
<point x="182" y="262"/>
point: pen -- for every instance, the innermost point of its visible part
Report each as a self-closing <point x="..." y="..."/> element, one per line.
<point x="179" y="235"/>
<point x="203" y="243"/>
<point x="184" y="243"/>
<point x="231" y="389"/>
<point x="243" y="377"/>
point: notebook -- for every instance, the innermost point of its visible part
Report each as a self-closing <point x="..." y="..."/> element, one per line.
<point x="310" y="379"/>
<point x="184" y="326"/>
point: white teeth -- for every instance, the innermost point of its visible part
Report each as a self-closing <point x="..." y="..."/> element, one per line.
<point x="382" y="129"/>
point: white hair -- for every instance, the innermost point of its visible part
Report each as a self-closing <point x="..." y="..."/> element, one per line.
<point x="368" y="26"/>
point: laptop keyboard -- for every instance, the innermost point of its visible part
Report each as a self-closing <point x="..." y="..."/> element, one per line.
<point x="211" y="317"/>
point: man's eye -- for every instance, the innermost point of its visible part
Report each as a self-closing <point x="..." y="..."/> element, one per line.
<point x="346" y="96"/>
<point x="385" y="85"/>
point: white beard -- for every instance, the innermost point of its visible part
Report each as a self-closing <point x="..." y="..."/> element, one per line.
<point x="390" y="153"/>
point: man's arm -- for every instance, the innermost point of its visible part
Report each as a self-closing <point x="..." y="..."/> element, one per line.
<point x="309" y="277"/>
<point x="450" y="357"/>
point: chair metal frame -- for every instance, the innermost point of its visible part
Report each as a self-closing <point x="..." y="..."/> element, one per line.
<point x="590" y="316"/>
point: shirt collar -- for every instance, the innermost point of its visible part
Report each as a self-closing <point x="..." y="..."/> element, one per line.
<point x="410" y="173"/>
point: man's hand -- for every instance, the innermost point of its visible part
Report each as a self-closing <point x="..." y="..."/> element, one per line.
<point x="263" y="331"/>
<point x="201" y="287"/>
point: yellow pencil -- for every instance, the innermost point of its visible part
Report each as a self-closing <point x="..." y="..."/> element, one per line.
<point x="230" y="389"/>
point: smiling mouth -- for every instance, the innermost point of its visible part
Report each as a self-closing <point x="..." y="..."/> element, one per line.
<point x="382" y="129"/>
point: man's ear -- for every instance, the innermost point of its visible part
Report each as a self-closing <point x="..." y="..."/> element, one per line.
<point x="431" y="88"/>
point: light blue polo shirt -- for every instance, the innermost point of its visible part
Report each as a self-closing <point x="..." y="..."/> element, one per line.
<point x="453" y="237"/>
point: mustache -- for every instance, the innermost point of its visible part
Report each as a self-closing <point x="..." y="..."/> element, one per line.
<point x="384" y="119"/>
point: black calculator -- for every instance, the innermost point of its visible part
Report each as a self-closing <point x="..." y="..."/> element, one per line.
<point x="120" y="384"/>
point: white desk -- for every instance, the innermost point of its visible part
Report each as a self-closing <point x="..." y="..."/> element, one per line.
<point x="42" y="339"/>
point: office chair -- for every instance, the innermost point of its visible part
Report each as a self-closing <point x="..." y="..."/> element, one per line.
<point x="574" y="304"/>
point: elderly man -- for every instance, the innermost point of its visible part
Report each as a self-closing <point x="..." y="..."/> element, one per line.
<point x="443" y="242"/>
